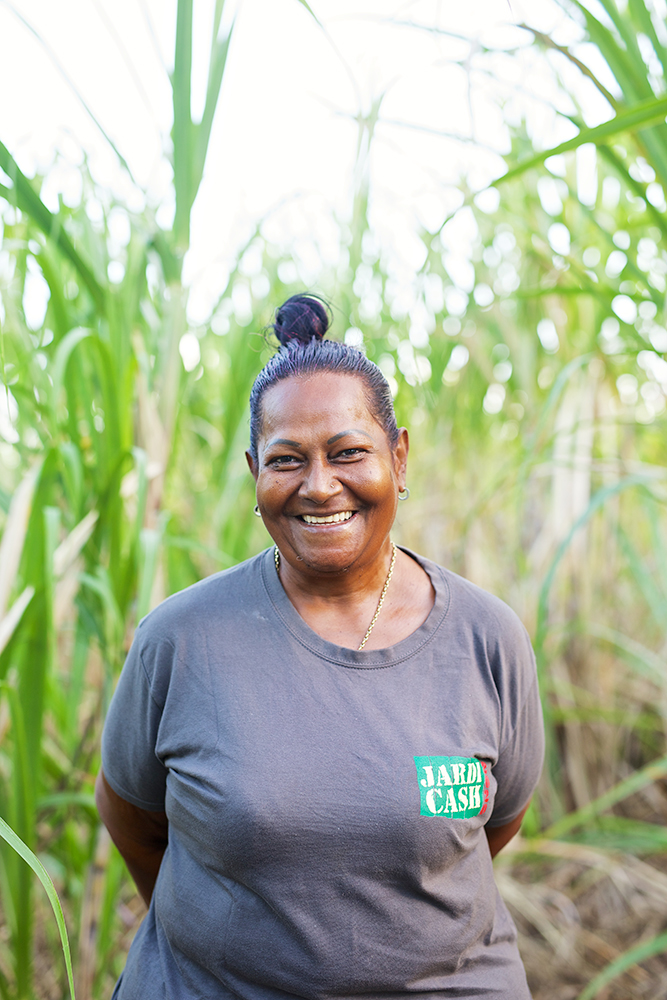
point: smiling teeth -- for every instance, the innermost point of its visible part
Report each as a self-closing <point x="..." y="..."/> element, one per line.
<point x="331" y="519"/>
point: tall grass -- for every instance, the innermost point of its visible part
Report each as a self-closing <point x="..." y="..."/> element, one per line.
<point x="532" y="378"/>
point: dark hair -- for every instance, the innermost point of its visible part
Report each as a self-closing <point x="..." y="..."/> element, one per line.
<point x="300" y="326"/>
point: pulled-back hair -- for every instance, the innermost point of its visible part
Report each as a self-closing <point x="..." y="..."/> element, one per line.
<point x="300" y="326"/>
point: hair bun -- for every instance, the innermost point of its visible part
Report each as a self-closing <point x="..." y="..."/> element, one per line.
<point x="302" y="318"/>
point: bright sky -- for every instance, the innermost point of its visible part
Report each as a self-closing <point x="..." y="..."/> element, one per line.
<point x="284" y="140"/>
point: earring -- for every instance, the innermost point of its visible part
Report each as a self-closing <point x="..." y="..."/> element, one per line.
<point x="404" y="493"/>
<point x="256" y="511"/>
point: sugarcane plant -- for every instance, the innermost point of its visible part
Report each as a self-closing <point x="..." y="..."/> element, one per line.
<point x="94" y="385"/>
<point x="531" y="375"/>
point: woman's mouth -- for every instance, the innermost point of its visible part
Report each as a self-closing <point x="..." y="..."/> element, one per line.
<point x="344" y="515"/>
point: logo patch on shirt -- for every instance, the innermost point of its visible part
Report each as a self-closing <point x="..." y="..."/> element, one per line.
<point x="456" y="787"/>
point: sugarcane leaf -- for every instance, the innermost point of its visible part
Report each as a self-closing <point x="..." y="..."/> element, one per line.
<point x="10" y="621"/>
<point x="40" y="871"/>
<point x="547" y="42"/>
<point x="60" y="362"/>
<point x="596" y="502"/>
<point x="619" y="833"/>
<point x="310" y="11"/>
<point x="642" y="115"/>
<point x="182" y="131"/>
<point x="642" y="17"/>
<point x="218" y="61"/>
<point x="650" y="588"/>
<point x="634" y="783"/>
<point x="639" y="953"/>
<point x="639" y="189"/>
<point x="642" y="659"/>
<point x="622" y="61"/>
<point x="24" y="196"/>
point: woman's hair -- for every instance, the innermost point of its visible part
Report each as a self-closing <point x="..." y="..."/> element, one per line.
<point x="300" y="325"/>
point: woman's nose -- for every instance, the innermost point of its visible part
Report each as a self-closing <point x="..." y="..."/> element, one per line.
<point x="319" y="483"/>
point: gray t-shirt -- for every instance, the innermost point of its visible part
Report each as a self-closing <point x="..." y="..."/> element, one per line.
<point x="326" y="806"/>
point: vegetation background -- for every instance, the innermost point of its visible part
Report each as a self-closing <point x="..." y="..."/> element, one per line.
<point x="528" y="362"/>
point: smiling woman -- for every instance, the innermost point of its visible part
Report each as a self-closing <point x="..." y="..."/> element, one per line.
<point x="311" y="759"/>
<point x="327" y="487"/>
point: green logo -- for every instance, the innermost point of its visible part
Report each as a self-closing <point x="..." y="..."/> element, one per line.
<point x="456" y="787"/>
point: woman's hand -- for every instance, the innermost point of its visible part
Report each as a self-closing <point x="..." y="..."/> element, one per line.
<point x="139" y="835"/>
<point x="498" y="836"/>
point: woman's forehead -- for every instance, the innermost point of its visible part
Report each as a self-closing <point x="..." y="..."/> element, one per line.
<point x="315" y="396"/>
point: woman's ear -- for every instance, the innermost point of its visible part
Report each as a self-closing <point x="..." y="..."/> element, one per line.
<point x="252" y="465"/>
<point x="401" y="457"/>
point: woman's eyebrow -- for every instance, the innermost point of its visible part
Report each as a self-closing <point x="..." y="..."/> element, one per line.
<point x="352" y="430"/>
<point x="285" y="441"/>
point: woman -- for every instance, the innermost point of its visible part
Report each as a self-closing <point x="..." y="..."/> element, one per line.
<point x="311" y="758"/>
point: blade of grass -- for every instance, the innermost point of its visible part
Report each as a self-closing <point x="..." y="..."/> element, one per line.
<point x="310" y="10"/>
<point x="650" y="588"/>
<point x="616" y="833"/>
<point x="25" y="198"/>
<point x="71" y="546"/>
<point x="22" y="814"/>
<point x="640" y="952"/>
<point x="149" y="542"/>
<point x="13" y="617"/>
<point x="13" y="538"/>
<point x="548" y="43"/>
<point x="216" y="70"/>
<point x="597" y="500"/>
<point x="635" y="782"/>
<point x="643" y="659"/>
<point x="642" y="17"/>
<point x="182" y="132"/>
<point x="40" y="871"/>
<point x="641" y="116"/>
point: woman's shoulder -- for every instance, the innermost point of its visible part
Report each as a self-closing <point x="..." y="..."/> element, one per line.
<point x="226" y="593"/>
<point x="470" y="603"/>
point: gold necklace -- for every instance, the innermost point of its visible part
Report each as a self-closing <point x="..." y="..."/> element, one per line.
<point x="276" y="559"/>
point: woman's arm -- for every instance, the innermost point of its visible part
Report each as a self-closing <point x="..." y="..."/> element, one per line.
<point x="139" y="835"/>
<point x="498" y="836"/>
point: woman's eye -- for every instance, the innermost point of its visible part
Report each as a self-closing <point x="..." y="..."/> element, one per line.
<point x="282" y="460"/>
<point x="351" y="453"/>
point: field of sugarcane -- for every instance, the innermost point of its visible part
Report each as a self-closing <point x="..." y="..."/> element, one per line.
<point x="533" y="380"/>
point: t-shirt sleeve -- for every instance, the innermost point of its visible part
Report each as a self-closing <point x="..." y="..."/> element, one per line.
<point x="519" y="765"/>
<point x="129" y="757"/>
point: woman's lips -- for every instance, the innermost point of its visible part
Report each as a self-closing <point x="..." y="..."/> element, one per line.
<point x="338" y="518"/>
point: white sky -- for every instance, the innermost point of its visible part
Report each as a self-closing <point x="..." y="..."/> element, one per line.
<point x="284" y="139"/>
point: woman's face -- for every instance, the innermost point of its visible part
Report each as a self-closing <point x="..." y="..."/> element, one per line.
<point x="327" y="477"/>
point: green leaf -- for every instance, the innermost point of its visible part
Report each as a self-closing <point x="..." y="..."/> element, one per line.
<point x="634" y="783"/>
<point x="642" y="16"/>
<point x="640" y="116"/>
<point x="60" y="800"/>
<point x="597" y="500"/>
<point x="182" y="132"/>
<point x="619" y="834"/>
<point x="60" y="362"/>
<point x="650" y="588"/>
<point x="40" y="871"/>
<point x="310" y="11"/>
<point x="640" y="952"/>
<point x="218" y="62"/>
<point x="24" y="197"/>
<point x="642" y="659"/>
